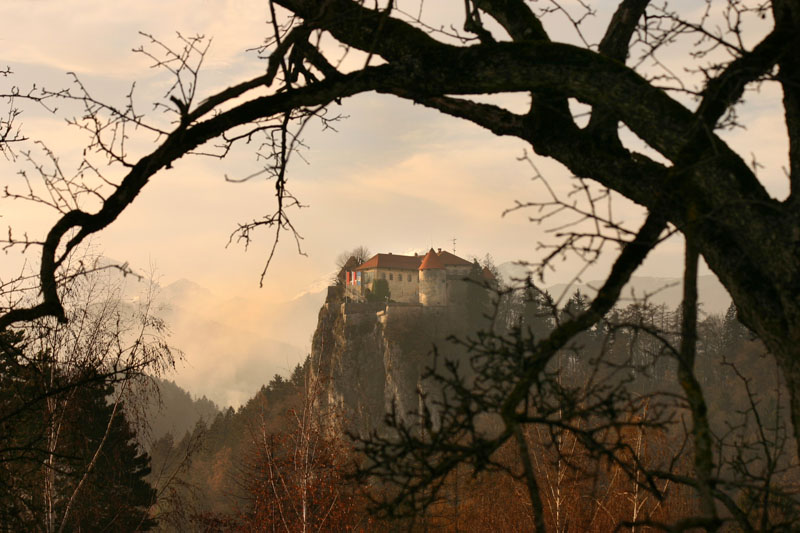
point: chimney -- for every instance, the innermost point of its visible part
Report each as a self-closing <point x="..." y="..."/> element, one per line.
<point x="440" y="250"/>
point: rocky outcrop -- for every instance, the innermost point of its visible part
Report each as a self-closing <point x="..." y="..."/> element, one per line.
<point x="369" y="356"/>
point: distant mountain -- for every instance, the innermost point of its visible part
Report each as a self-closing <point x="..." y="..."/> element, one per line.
<point x="296" y="319"/>
<point x="183" y="290"/>
<point x="714" y="298"/>
<point x="232" y="345"/>
<point x="175" y="411"/>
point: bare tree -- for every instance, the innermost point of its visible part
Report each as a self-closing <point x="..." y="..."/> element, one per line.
<point x="348" y="260"/>
<point x="579" y="433"/>
<point x="296" y="479"/>
<point x="359" y="253"/>
<point x="698" y="185"/>
<point x="51" y="376"/>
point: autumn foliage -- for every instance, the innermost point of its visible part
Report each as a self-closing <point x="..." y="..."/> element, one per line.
<point x="296" y="480"/>
<point x="609" y="450"/>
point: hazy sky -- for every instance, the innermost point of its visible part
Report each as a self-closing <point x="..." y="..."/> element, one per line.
<point x="395" y="177"/>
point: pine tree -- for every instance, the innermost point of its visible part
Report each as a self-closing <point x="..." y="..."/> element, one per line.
<point x="537" y="311"/>
<point x="380" y="291"/>
<point x="21" y="435"/>
<point x="115" y="495"/>
<point x="70" y="455"/>
<point x="575" y="305"/>
<point x="734" y="333"/>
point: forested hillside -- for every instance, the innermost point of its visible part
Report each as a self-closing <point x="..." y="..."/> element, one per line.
<point x="174" y="410"/>
<point x="282" y="459"/>
<point x="269" y="465"/>
<point x="606" y="436"/>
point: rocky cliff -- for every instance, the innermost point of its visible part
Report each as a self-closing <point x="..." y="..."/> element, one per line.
<point x="370" y="355"/>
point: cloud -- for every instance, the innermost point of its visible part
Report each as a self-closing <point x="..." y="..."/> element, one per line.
<point x="58" y="34"/>
<point x="231" y="347"/>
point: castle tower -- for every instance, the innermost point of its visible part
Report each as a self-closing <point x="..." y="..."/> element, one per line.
<point x="432" y="280"/>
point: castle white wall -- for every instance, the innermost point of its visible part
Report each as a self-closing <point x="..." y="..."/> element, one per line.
<point x="403" y="284"/>
<point x="433" y="287"/>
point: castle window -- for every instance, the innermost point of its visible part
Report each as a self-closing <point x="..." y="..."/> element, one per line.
<point x="409" y="277"/>
<point x="391" y="276"/>
<point x="383" y="275"/>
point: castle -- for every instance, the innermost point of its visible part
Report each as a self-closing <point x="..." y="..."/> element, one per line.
<point x="436" y="279"/>
<point x="376" y="328"/>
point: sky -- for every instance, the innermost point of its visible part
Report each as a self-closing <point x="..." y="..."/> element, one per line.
<point x="393" y="177"/>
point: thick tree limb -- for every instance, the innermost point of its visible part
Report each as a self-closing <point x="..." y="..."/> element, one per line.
<point x="620" y="30"/>
<point x="516" y="17"/>
<point x="726" y="89"/>
<point x="530" y="476"/>
<point x="701" y="431"/>
<point x="628" y="261"/>
<point x="614" y="45"/>
<point x="370" y="30"/>
<point x="493" y="118"/>
<point x="787" y="20"/>
<point x="180" y="142"/>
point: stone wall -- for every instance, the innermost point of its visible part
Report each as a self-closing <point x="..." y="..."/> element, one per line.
<point x="432" y="287"/>
<point x="400" y="311"/>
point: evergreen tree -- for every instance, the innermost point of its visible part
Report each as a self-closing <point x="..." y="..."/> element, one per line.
<point x="734" y="333"/>
<point x="115" y="495"/>
<point x="537" y="311"/>
<point x="21" y="435"/>
<point x="576" y="304"/>
<point x="380" y="291"/>
<point x="298" y="377"/>
<point x="71" y="454"/>
<point x="488" y="263"/>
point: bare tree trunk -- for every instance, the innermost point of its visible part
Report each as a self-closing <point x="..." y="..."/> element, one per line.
<point x="49" y="465"/>
<point x="637" y="472"/>
<point x="91" y="464"/>
<point x="701" y="432"/>
<point x="530" y="478"/>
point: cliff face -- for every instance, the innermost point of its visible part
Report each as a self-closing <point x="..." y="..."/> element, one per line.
<point x="370" y="355"/>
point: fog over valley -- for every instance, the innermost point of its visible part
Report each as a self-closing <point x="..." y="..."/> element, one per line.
<point x="232" y="346"/>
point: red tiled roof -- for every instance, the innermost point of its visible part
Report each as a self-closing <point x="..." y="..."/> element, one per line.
<point x="400" y="262"/>
<point x="449" y="259"/>
<point x="412" y="262"/>
<point x="487" y="274"/>
<point x="431" y="261"/>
